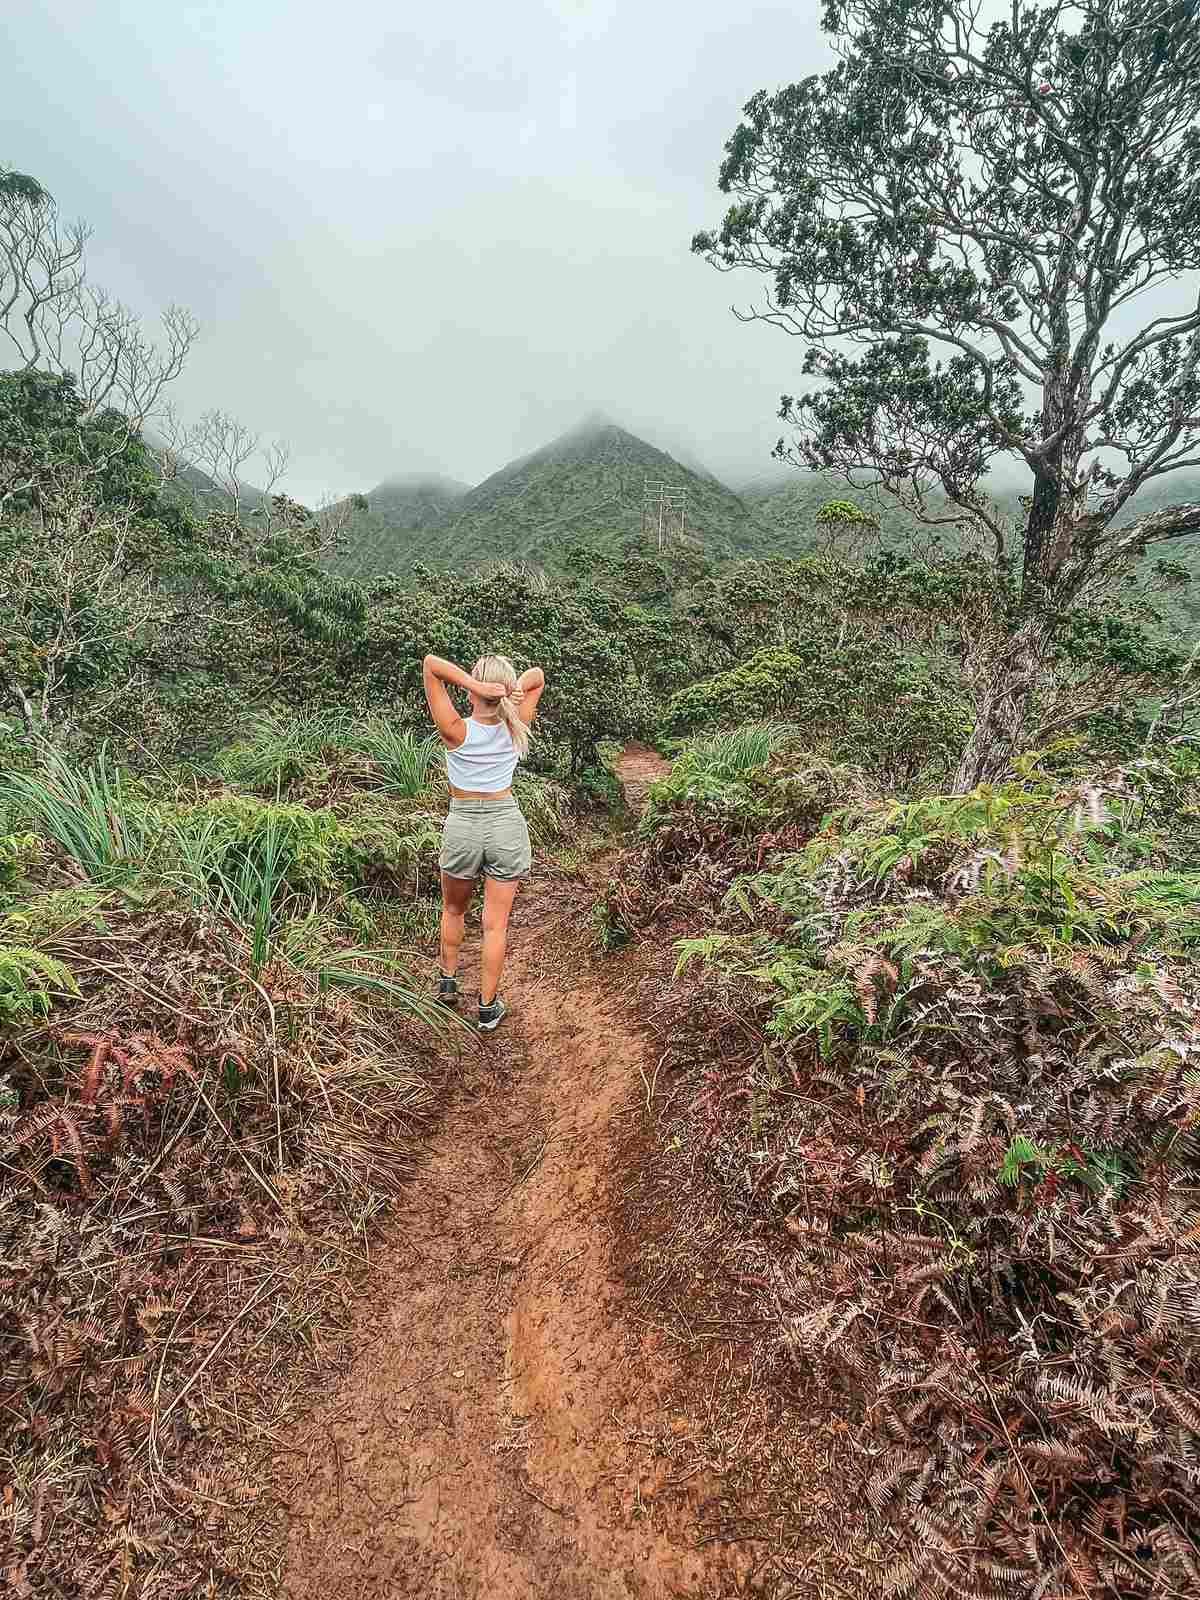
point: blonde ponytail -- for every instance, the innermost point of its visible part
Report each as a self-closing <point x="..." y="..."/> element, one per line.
<point x="499" y="669"/>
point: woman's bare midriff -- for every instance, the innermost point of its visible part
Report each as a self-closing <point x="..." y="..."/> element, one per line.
<point x="478" y="794"/>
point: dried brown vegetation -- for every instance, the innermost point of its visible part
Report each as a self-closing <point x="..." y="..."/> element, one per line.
<point x="957" y="1162"/>
<point x="189" y="1182"/>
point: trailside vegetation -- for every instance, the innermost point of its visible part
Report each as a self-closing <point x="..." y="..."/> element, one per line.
<point x="218" y="1047"/>
<point x="940" y="1059"/>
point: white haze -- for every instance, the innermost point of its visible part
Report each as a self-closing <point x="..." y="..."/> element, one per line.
<point x="419" y="238"/>
<point x="422" y="238"/>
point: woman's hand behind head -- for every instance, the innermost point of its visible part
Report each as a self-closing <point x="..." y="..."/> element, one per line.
<point x="486" y="691"/>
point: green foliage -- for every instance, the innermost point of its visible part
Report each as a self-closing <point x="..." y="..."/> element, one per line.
<point x="585" y="489"/>
<point x="598" y="784"/>
<point x="712" y="772"/>
<point x="546" y="807"/>
<point x="846" y="514"/>
<point x="89" y="811"/>
<point x="1027" y="867"/>
<point x="240" y="859"/>
<point x="409" y="764"/>
<point x="305" y="848"/>
<point x="49" y="439"/>
<point x="29" y="981"/>
<point x="275" y="752"/>
<point x="41" y="917"/>
<point x="978" y="1103"/>
<point x="936" y="347"/>
<point x="16" y="851"/>
<point x="903" y="713"/>
<point x="765" y="684"/>
<point x="734" y="752"/>
<point x="279" y="753"/>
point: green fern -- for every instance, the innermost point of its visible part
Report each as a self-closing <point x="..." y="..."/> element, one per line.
<point x="29" y="980"/>
<point x="1021" y="1153"/>
<point x="703" y="948"/>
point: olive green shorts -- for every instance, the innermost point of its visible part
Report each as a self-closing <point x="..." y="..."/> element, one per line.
<point x="485" y="836"/>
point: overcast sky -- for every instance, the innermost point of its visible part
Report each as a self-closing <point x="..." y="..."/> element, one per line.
<point x="419" y="236"/>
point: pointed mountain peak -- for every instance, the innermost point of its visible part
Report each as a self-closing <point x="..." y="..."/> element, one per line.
<point x="410" y="481"/>
<point x="596" y="422"/>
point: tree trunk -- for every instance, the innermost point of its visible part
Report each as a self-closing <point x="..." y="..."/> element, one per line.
<point x="1003" y="693"/>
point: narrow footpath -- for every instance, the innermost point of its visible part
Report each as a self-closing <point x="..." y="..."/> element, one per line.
<point x="490" y="1436"/>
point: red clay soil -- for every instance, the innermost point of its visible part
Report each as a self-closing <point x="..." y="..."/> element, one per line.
<point x="489" y="1438"/>
<point x="638" y="767"/>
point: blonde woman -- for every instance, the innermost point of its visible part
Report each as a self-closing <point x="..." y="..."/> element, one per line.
<point x="485" y="832"/>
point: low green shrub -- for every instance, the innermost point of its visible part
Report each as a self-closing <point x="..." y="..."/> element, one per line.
<point x="598" y="785"/>
<point x="904" y="715"/>
<point x="752" y="778"/>
<point x="247" y="851"/>
<point x="546" y="806"/>
<point x="279" y="755"/>
<point x="276" y="753"/>
<point x="713" y="771"/>
<point x="38" y="916"/>
<point x="408" y="764"/>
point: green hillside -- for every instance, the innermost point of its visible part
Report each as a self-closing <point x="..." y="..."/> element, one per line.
<point x="789" y="510"/>
<point x="587" y="486"/>
<point x="397" y="509"/>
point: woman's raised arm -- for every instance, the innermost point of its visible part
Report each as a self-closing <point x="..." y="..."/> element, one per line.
<point x="436" y="674"/>
<point x="531" y="683"/>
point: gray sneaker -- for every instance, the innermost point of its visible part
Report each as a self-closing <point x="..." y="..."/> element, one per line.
<point x="489" y="1016"/>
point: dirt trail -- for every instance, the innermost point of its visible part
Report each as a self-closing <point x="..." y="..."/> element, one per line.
<point x="486" y="1440"/>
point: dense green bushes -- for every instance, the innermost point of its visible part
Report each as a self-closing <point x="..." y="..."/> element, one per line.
<point x="901" y="714"/>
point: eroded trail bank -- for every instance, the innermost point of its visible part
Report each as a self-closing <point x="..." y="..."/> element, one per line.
<point x="488" y="1438"/>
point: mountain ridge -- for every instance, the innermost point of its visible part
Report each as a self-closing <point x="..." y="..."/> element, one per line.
<point x="586" y="485"/>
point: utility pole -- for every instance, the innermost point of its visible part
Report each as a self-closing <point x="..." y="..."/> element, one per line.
<point x="664" y="511"/>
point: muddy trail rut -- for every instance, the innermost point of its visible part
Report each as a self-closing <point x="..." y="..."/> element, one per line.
<point x="485" y="1439"/>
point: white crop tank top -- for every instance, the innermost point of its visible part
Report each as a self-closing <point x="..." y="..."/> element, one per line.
<point x="485" y="761"/>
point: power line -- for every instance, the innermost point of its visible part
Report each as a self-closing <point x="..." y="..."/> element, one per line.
<point x="664" y="510"/>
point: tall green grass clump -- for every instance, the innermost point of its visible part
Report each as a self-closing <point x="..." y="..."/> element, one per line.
<point x="712" y="770"/>
<point x="88" y="811"/>
<point x="732" y="753"/>
<point x="546" y="807"/>
<point x="241" y="877"/>
<point x="408" y="763"/>
<point x="276" y="753"/>
<point x="279" y="754"/>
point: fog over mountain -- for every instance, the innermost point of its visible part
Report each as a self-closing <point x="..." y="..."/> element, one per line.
<point x="419" y="245"/>
<point x="422" y="245"/>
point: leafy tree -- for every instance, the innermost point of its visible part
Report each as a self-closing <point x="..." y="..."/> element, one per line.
<point x="580" y="635"/>
<point x="51" y="444"/>
<point x="979" y="207"/>
<point x="82" y="532"/>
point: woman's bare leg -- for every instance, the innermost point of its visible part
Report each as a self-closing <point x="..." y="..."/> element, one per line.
<point x="498" y="897"/>
<point x="456" y="897"/>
